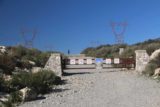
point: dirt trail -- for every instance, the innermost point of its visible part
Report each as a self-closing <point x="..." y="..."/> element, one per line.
<point x="107" y="88"/>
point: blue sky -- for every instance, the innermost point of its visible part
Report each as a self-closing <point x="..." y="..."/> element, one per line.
<point x="77" y="24"/>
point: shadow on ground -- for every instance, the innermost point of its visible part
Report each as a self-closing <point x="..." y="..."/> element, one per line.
<point x="59" y="90"/>
<point x="75" y="73"/>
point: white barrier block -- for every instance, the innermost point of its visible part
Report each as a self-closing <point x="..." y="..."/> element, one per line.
<point x="108" y="61"/>
<point x="72" y="61"/>
<point x="80" y="61"/>
<point x="116" y="61"/>
<point x="89" y="61"/>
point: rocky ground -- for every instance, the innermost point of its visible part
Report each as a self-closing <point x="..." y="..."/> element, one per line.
<point x="102" y="88"/>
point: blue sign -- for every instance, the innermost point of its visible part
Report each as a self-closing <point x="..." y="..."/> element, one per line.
<point x="99" y="60"/>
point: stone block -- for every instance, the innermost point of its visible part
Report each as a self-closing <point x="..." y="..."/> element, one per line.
<point x="54" y="64"/>
<point x="142" y="59"/>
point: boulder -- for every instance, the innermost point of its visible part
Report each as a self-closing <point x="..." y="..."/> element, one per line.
<point x="17" y="69"/>
<point x="28" y="94"/>
<point x="2" y="49"/>
<point x="156" y="73"/>
<point x="36" y="69"/>
<point x="32" y="63"/>
<point x="7" y="77"/>
<point x="26" y="70"/>
<point x="155" y="54"/>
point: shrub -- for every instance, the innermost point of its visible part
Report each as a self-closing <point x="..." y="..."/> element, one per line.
<point x="24" y="55"/>
<point x="152" y="65"/>
<point x="150" y="68"/>
<point x="7" y="104"/>
<point x="1" y="83"/>
<point x="20" y="80"/>
<point x="7" y="64"/>
<point x="15" y="97"/>
<point x="41" y="82"/>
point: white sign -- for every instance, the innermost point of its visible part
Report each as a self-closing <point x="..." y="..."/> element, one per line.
<point x="108" y="61"/>
<point x="81" y="61"/>
<point x="72" y="61"/>
<point x="116" y="61"/>
<point x="89" y="61"/>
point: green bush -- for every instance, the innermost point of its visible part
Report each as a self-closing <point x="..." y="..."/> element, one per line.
<point x="152" y="65"/>
<point x="7" y="64"/>
<point x="15" y="97"/>
<point x="20" y="80"/>
<point x="23" y="55"/>
<point x="1" y="83"/>
<point x="41" y="82"/>
<point x="150" y="68"/>
<point x="7" y="104"/>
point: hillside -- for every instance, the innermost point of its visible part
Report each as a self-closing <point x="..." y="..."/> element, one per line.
<point x="12" y="57"/>
<point x="105" y="51"/>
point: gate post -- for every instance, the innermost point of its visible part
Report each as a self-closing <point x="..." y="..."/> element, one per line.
<point x="99" y="63"/>
<point x="55" y="64"/>
<point x="142" y="59"/>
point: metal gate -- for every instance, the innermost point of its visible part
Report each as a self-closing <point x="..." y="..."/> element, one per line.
<point x="90" y="63"/>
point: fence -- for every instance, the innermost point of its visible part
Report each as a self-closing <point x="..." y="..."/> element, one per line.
<point x="90" y="63"/>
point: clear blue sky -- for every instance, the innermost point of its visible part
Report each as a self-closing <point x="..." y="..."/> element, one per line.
<point x="77" y="24"/>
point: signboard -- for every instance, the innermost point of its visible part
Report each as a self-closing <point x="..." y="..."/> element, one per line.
<point x="89" y="61"/>
<point x="116" y="61"/>
<point x="108" y="61"/>
<point x="72" y="61"/>
<point x="99" y="60"/>
<point x="80" y="61"/>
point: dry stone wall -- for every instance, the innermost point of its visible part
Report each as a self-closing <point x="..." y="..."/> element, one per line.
<point x="54" y="64"/>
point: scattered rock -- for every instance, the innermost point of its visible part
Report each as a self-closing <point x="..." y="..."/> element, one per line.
<point x="7" y="77"/>
<point x="156" y="73"/>
<point x="17" y="69"/>
<point x="3" y="99"/>
<point x="28" y="94"/>
<point x="32" y="63"/>
<point x="26" y="70"/>
<point x="3" y="49"/>
<point x="36" y="69"/>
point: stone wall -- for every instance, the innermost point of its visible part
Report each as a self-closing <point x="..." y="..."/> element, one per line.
<point x="142" y="59"/>
<point x="54" y="64"/>
<point x="121" y="50"/>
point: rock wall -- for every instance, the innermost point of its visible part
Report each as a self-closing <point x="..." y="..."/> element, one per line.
<point x="142" y="59"/>
<point x="54" y="63"/>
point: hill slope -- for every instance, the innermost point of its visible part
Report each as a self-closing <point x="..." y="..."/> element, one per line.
<point x="113" y="50"/>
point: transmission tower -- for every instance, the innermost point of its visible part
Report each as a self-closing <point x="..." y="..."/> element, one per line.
<point x="28" y="42"/>
<point x="119" y="36"/>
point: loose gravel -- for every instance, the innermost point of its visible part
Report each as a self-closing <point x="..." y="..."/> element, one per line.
<point x="102" y="88"/>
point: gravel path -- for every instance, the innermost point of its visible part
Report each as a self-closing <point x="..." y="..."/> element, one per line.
<point x="105" y="88"/>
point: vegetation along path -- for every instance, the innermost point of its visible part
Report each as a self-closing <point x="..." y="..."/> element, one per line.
<point x="107" y="88"/>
